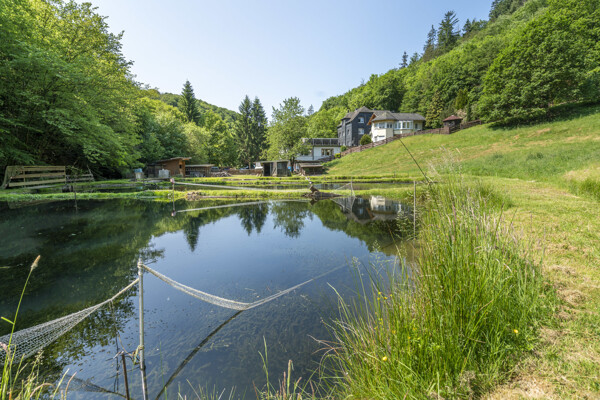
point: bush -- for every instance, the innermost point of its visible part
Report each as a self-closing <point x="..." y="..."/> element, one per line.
<point x="366" y="139"/>
<point x="343" y="148"/>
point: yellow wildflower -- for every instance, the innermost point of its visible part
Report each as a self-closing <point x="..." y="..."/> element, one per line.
<point x="515" y="331"/>
<point x="384" y="358"/>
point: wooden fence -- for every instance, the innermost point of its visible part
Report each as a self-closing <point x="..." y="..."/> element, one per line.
<point x="439" y="131"/>
<point x="40" y="176"/>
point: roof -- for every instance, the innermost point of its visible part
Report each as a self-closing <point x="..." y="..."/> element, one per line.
<point x="353" y="114"/>
<point x="272" y="161"/>
<point x="322" y="141"/>
<point x="452" y="118"/>
<point x="172" y="159"/>
<point x="308" y="165"/>
<point x="200" y="165"/>
<point x="391" y="116"/>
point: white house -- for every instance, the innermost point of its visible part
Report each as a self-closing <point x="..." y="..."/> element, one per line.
<point x="385" y="124"/>
<point x="320" y="148"/>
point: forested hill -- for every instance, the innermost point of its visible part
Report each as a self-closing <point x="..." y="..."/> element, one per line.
<point x="529" y="56"/>
<point x="227" y="115"/>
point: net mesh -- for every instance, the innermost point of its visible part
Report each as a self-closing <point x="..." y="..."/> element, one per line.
<point x="226" y="303"/>
<point x="27" y="342"/>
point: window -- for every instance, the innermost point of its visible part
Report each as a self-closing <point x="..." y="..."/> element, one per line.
<point x="390" y="125"/>
<point x="361" y="131"/>
<point x="397" y="125"/>
<point x="361" y="120"/>
<point x="326" y="152"/>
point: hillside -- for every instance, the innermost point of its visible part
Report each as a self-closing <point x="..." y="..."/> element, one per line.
<point x="548" y="178"/>
<point x="561" y="151"/>
<point x="510" y="69"/>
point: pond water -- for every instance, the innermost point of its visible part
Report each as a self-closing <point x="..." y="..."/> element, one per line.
<point x="242" y="253"/>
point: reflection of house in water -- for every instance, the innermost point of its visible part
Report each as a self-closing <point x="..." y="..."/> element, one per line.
<point x="364" y="210"/>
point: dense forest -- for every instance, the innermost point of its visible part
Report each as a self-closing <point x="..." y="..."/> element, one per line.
<point x="68" y="97"/>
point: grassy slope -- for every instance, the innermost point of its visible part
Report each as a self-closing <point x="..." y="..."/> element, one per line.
<point x="551" y="172"/>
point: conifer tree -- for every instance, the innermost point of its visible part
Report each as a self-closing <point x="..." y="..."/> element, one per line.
<point x="404" y="60"/>
<point x="187" y="103"/>
<point x="434" y="111"/>
<point x="429" y="48"/>
<point x="243" y="130"/>
<point x="414" y="58"/>
<point x="447" y="32"/>
<point x="310" y="110"/>
<point x="259" y="129"/>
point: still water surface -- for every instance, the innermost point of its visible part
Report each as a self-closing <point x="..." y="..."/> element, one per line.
<point x="240" y="253"/>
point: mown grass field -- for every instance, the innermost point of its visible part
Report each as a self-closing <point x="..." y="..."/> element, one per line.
<point x="550" y="173"/>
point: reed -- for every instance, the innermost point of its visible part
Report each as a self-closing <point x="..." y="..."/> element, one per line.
<point x="20" y="380"/>
<point x="456" y="321"/>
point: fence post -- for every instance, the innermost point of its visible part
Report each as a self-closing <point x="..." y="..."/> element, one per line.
<point x="141" y="312"/>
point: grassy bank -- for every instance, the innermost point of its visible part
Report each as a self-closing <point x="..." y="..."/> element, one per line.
<point x="461" y="317"/>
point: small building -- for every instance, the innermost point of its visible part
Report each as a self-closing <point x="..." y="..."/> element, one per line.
<point x="320" y="149"/>
<point x="452" y="121"/>
<point x="386" y="124"/>
<point x="311" y="168"/>
<point x="353" y="126"/>
<point x="275" y="168"/>
<point x="175" y="166"/>
<point x="198" y="170"/>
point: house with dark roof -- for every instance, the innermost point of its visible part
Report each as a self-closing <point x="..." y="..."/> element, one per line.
<point x="386" y="124"/>
<point x="353" y="126"/>
<point x="380" y="124"/>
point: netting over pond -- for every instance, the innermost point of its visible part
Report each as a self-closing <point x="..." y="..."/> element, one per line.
<point x="27" y="342"/>
<point x="226" y="303"/>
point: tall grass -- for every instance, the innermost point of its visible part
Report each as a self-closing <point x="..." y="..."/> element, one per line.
<point x="20" y="380"/>
<point x="456" y="321"/>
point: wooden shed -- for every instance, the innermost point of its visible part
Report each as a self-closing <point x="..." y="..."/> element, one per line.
<point x="175" y="166"/>
<point x="452" y="121"/>
<point x="198" y="170"/>
<point x="311" y="168"/>
<point x="275" y="168"/>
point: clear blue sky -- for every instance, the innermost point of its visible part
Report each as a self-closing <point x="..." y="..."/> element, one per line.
<point x="272" y="49"/>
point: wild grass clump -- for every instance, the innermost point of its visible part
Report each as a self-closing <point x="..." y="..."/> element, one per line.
<point x="588" y="187"/>
<point x="458" y="319"/>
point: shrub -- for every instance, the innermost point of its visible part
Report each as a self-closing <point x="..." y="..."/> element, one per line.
<point x="365" y="139"/>
<point x="343" y="148"/>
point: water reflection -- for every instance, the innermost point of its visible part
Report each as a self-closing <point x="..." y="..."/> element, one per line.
<point x="235" y="252"/>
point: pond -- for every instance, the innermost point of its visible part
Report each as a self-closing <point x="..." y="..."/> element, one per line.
<point x="242" y="253"/>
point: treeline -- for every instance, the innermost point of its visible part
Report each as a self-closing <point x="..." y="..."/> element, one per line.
<point x="529" y="56"/>
<point x="68" y="97"/>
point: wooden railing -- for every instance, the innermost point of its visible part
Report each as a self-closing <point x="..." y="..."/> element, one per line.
<point x="37" y="176"/>
<point x="34" y="175"/>
<point x="439" y="131"/>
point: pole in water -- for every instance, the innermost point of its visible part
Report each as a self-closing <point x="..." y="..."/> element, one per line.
<point x="125" y="376"/>
<point x="415" y="209"/>
<point x="141" y="311"/>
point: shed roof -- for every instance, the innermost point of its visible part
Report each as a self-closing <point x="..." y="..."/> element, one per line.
<point x="452" y="118"/>
<point x="200" y="165"/>
<point x="171" y="159"/>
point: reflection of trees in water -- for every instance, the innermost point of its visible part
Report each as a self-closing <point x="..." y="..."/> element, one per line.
<point x="253" y="217"/>
<point x="289" y="216"/>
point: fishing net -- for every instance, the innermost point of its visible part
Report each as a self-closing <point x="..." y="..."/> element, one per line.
<point x="226" y="303"/>
<point x="27" y="342"/>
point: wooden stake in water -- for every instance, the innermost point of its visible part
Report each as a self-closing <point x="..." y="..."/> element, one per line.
<point x="125" y="376"/>
<point x="141" y="312"/>
<point x="415" y="209"/>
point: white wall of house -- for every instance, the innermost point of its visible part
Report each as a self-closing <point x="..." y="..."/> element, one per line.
<point x="318" y="152"/>
<point x="386" y="129"/>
